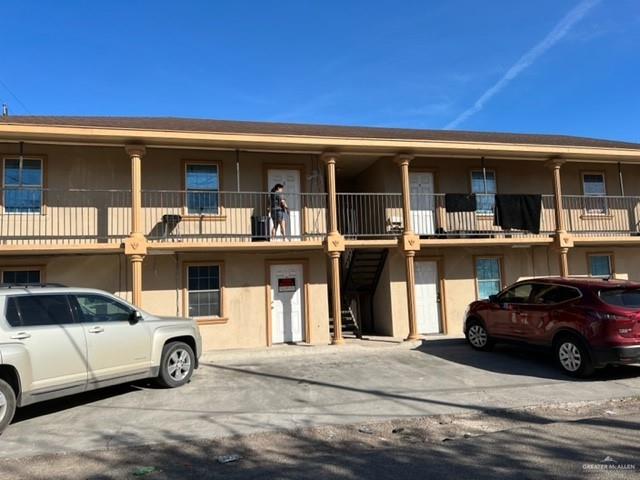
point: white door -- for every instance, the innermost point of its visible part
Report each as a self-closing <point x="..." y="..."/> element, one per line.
<point x="116" y="345"/>
<point x="56" y="346"/>
<point x="291" y="181"/>
<point x="422" y="202"/>
<point x="287" y="303"/>
<point x="428" y="297"/>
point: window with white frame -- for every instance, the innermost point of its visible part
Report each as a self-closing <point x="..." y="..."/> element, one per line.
<point x="600" y="265"/>
<point x="22" y="277"/>
<point x="483" y="184"/>
<point x="203" y="290"/>
<point x="595" y="191"/>
<point x="488" y="276"/>
<point x="22" y="181"/>
<point x="202" y="185"/>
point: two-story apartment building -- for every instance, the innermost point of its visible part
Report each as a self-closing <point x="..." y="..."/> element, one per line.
<point x="395" y="230"/>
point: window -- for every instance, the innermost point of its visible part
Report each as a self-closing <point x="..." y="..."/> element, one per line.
<point x="517" y="294"/>
<point x="621" y="297"/>
<point x="545" y="294"/>
<point x="488" y="276"/>
<point x="203" y="284"/>
<point x="594" y="188"/>
<point x="38" y="310"/>
<point x="22" y="185"/>
<point x="97" y="308"/>
<point x="483" y="184"/>
<point x="202" y="184"/>
<point x="21" y="277"/>
<point x="600" y="265"/>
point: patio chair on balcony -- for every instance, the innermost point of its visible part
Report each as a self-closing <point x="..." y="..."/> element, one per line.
<point x="169" y="224"/>
<point x="394" y="225"/>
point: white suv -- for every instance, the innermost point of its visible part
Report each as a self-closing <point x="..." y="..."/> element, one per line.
<point x="57" y="341"/>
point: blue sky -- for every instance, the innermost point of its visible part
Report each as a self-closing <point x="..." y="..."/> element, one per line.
<point x="416" y="64"/>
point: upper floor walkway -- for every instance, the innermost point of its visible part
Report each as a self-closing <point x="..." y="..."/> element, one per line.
<point x="67" y="187"/>
<point x="75" y="217"/>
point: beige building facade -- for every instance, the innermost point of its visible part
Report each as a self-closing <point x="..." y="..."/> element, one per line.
<point x="176" y="216"/>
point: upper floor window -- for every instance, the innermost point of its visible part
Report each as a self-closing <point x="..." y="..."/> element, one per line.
<point x="594" y="188"/>
<point x="202" y="185"/>
<point x="22" y="182"/>
<point x="483" y="184"/>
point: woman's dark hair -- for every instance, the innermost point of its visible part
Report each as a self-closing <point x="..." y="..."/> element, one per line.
<point x="276" y="187"/>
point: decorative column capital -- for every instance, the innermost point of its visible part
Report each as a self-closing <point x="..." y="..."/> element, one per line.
<point x="410" y="243"/>
<point x="135" y="246"/>
<point x="135" y="150"/>
<point x="334" y="244"/>
<point x="329" y="157"/>
<point x="555" y="163"/>
<point x="403" y="159"/>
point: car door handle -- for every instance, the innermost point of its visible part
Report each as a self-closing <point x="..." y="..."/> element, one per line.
<point x="96" y="330"/>
<point x="21" y="336"/>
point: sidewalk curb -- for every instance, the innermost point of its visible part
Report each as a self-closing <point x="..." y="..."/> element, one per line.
<point x="284" y="351"/>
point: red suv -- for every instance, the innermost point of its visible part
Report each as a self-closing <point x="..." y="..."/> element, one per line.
<point x="589" y="323"/>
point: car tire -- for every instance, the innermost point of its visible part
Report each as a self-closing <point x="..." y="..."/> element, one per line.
<point x="7" y="405"/>
<point x="477" y="336"/>
<point x="176" y="365"/>
<point x="572" y="356"/>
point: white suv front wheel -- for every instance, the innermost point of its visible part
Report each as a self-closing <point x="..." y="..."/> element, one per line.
<point x="7" y="405"/>
<point x="176" y="365"/>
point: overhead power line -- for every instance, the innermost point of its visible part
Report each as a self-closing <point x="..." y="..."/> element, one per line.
<point x="15" y="97"/>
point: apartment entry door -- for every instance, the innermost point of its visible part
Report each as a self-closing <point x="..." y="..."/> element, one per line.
<point x="421" y="186"/>
<point x="287" y="303"/>
<point x="291" y="181"/>
<point x="428" y="297"/>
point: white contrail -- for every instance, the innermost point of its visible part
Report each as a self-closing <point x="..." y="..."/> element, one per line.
<point x="559" y="31"/>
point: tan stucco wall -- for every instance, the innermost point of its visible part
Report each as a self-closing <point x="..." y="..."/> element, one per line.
<point x="244" y="294"/>
<point x="382" y="303"/>
<point x="106" y="272"/>
<point x="459" y="285"/>
<point x="626" y="261"/>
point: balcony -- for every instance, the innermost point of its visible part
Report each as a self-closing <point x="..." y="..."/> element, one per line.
<point x="601" y="216"/>
<point x="82" y="217"/>
<point x="206" y="216"/>
<point x="379" y="215"/>
<point x="64" y="217"/>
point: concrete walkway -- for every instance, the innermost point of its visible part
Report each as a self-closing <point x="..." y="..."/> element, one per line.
<point x="244" y="394"/>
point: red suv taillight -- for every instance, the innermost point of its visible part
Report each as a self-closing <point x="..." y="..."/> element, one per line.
<point x="618" y="324"/>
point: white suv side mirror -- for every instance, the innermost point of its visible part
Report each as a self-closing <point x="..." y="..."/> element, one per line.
<point x="135" y="317"/>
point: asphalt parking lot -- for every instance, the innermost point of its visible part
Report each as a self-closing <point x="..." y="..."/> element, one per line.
<point x="242" y="396"/>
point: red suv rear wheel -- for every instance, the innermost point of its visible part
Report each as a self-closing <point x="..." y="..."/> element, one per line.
<point x="573" y="356"/>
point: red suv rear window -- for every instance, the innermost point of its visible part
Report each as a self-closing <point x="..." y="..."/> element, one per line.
<point x="621" y="297"/>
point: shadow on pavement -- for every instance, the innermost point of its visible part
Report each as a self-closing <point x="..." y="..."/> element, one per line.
<point x="515" y="360"/>
<point x="64" y="403"/>
<point x="537" y="452"/>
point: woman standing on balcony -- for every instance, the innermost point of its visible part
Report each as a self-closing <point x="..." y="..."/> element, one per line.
<point x="278" y="209"/>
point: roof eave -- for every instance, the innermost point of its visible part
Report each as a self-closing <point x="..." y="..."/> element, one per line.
<point x="164" y="138"/>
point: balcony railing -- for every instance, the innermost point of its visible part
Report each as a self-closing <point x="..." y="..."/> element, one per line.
<point x="367" y="215"/>
<point x="47" y="216"/>
<point x="431" y="219"/>
<point x="370" y="215"/>
<point x="82" y="216"/>
<point x="601" y="216"/>
<point x="202" y="216"/>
